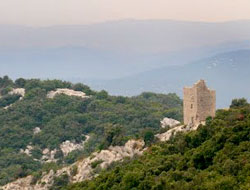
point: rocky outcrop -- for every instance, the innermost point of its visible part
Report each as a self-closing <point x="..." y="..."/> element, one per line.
<point x="168" y="122"/>
<point x="36" y="130"/>
<point x="27" y="151"/>
<point x="106" y="157"/>
<point x="48" y="155"/>
<point x="89" y="167"/>
<point x="19" y="91"/>
<point x="20" y="184"/>
<point x="68" y="92"/>
<point x="85" y="169"/>
<point x="167" y="135"/>
<point x="67" y="146"/>
<point x="14" y="91"/>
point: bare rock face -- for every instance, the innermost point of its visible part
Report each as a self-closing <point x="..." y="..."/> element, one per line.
<point x="27" y="151"/>
<point x="171" y="132"/>
<point x="85" y="169"/>
<point x="106" y="157"/>
<point x="89" y="167"/>
<point x="48" y="155"/>
<point x="19" y="91"/>
<point x="67" y="92"/>
<point x="20" y="184"/>
<point x="175" y="127"/>
<point x="168" y="122"/>
<point x="68" y="146"/>
<point x="25" y="183"/>
<point x="36" y="130"/>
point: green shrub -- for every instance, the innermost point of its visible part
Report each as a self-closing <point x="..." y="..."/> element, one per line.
<point x="215" y="157"/>
<point x="96" y="163"/>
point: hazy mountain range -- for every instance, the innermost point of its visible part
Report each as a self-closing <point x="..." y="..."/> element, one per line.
<point x="130" y="56"/>
<point x="133" y="35"/>
<point x="227" y="73"/>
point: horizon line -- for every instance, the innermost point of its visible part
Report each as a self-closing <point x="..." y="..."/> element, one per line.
<point x="126" y="20"/>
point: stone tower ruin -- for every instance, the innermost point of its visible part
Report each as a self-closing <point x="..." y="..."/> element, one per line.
<point x="199" y="102"/>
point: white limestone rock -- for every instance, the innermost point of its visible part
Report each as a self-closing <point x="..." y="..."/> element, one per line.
<point x="20" y="184"/>
<point x="68" y="146"/>
<point x="19" y="91"/>
<point x="84" y="169"/>
<point x="167" y="135"/>
<point x="36" y="130"/>
<point x="7" y="107"/>
<point x="68" y="92"/>
<point x="28" y="150"/>
<point x="112" y="154"/>
<point x="48" y="155"/>
<point x="168" y="122"/>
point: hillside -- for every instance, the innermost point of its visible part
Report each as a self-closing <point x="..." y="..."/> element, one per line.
<point x="227" y="73"/>
<point x="215" y="157"/>
<point x="46" y="125"/>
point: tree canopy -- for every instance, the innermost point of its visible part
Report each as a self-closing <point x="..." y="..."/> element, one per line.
<point x="215" y="157"/>
<point x="108" y="120"/>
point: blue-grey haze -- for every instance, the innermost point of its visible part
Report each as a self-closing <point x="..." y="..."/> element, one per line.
<point x="111" y="55"/>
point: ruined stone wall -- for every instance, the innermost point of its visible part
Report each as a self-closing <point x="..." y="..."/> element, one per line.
<point x="190" y="105"/>
<point x="199" y="103"/>
<point x="206" y="102"/>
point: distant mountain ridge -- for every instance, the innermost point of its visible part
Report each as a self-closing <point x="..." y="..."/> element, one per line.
<point x="131" y="56"/>
<point x="114" y="49"/>
<point x="135" y="35"/>
<point x="227" y="73"/>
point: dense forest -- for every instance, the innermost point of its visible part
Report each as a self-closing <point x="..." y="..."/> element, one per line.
<point x="108" y="120"/>
<point x="215" y="157"/>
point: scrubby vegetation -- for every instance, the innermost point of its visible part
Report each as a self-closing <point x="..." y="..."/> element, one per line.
<point x="108" y="120"/>
<point x="8" y="100"/>
<point x="215" y="157"/>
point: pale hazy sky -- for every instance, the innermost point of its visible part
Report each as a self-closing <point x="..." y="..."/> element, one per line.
<point x="56" y="12"/>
